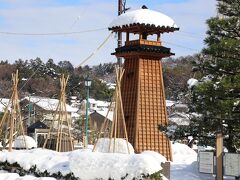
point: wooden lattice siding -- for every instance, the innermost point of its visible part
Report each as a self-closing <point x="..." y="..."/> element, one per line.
<point x="144" y="105"/>
<point x="129" y="96"/>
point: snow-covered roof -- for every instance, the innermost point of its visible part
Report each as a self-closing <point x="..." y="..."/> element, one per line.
<point x="180" y="118"/>
<point x="48" y="103"/>
<point x="143" y="16"/>
<point x="104" y="112"/>
<point x="97" y="103"/>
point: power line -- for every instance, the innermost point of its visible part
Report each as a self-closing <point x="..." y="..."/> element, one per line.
<point x="184" y="47"/>
<point x="190" y="33"/>
<point x="30" y="78"/>
<point x="178" y="45"/>
<point x="95" y="52"/>
<point x="51" y="33"/>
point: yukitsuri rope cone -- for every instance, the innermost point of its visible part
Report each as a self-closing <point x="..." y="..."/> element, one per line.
<point x="59" y="137"/>
<point x="118" y="125"/>
<point x="11" y="125"/>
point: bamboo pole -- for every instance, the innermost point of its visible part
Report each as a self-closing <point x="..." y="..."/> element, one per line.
<point x="118" y="117"/>
<point x="12" y="117"/>
<point x="123" y="119"/>
<point x="103" y="127"/>
<point x="63" y="136"/>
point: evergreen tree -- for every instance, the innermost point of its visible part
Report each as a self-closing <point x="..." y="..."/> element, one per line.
<point x="217" y="98"/>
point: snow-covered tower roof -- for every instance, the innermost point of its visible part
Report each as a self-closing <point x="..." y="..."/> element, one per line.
<point x="148" y="20"/>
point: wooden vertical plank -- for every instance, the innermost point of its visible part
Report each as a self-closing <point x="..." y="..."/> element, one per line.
<point x="219" y="156"/>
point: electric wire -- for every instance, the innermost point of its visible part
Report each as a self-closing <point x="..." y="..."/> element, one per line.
<point x="79" y="32"/>
<point x="29" y="78"/>
<point x="96" y="51"/>
<point x="180" y="46"/>
<point x="51" y="33"/>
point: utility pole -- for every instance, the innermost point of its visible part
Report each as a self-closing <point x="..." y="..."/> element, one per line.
<point x="120" y="10"/>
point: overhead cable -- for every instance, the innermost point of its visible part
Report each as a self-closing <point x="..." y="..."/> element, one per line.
<point x="51" y="33"/>
<point x="97" y="50"/>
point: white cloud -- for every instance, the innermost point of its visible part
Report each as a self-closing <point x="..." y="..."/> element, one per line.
<point x="29" y="17"/>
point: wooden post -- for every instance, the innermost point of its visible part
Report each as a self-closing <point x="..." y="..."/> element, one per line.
<point x="158" y="37"/>
<point x="219" y="156"/>
<point x="120" y="9"/>
<point x="127" y="36"/>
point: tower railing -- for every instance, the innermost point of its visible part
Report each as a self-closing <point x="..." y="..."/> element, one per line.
<point x="142" y="42"/>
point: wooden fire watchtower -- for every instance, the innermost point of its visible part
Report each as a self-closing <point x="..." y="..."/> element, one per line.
<point x="142" y="84"/>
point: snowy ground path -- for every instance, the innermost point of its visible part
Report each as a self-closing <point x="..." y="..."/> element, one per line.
<point x="188" y="172"/>
<point x="185" y="165"/>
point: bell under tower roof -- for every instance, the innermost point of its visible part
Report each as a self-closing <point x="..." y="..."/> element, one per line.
<point x="143" y="20"/>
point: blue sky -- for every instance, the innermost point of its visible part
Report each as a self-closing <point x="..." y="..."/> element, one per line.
<point x="34" y="16"/>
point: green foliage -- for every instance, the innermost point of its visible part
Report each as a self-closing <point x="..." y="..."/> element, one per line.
<point x="100" y="91"/>
<point x="44" y="78"/>
<point x="176" y="73"/>
<point x="217" y="97"/>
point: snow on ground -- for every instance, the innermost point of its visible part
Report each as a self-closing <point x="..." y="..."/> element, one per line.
<point x="114" y="165"/>
<point x="15" y="176"/>
<point x="5" y="175"/>
<point x="84" y="163"/>
<point x="185" y="165"/>
<point x="51" y="161"/>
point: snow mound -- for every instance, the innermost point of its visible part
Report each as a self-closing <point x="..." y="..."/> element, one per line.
<point x="160" y="158"/>
<point x="183" y="154"/>
<point x="143" y="16"/>
<point x="49" y="160"/>
<point x="120" y="146"/>
<point x="192" y="82"/>
<point x="86" y="164"/>
<point x="96" y="165"/>
<point x="25" y="142"/>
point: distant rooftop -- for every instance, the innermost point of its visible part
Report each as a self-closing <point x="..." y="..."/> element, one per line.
<point x="48" y="103"/>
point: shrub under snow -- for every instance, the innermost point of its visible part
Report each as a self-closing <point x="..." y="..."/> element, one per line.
<point x="25" y="142"/>
<point x="96" y="165"/>
<point x="120" y="146"/>
<point x="86" y="164"/>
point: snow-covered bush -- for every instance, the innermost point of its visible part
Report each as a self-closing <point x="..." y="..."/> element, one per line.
<point x="25" y="142"/>
<point x="95" y="165"/>
<point x="120" y="146"/>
